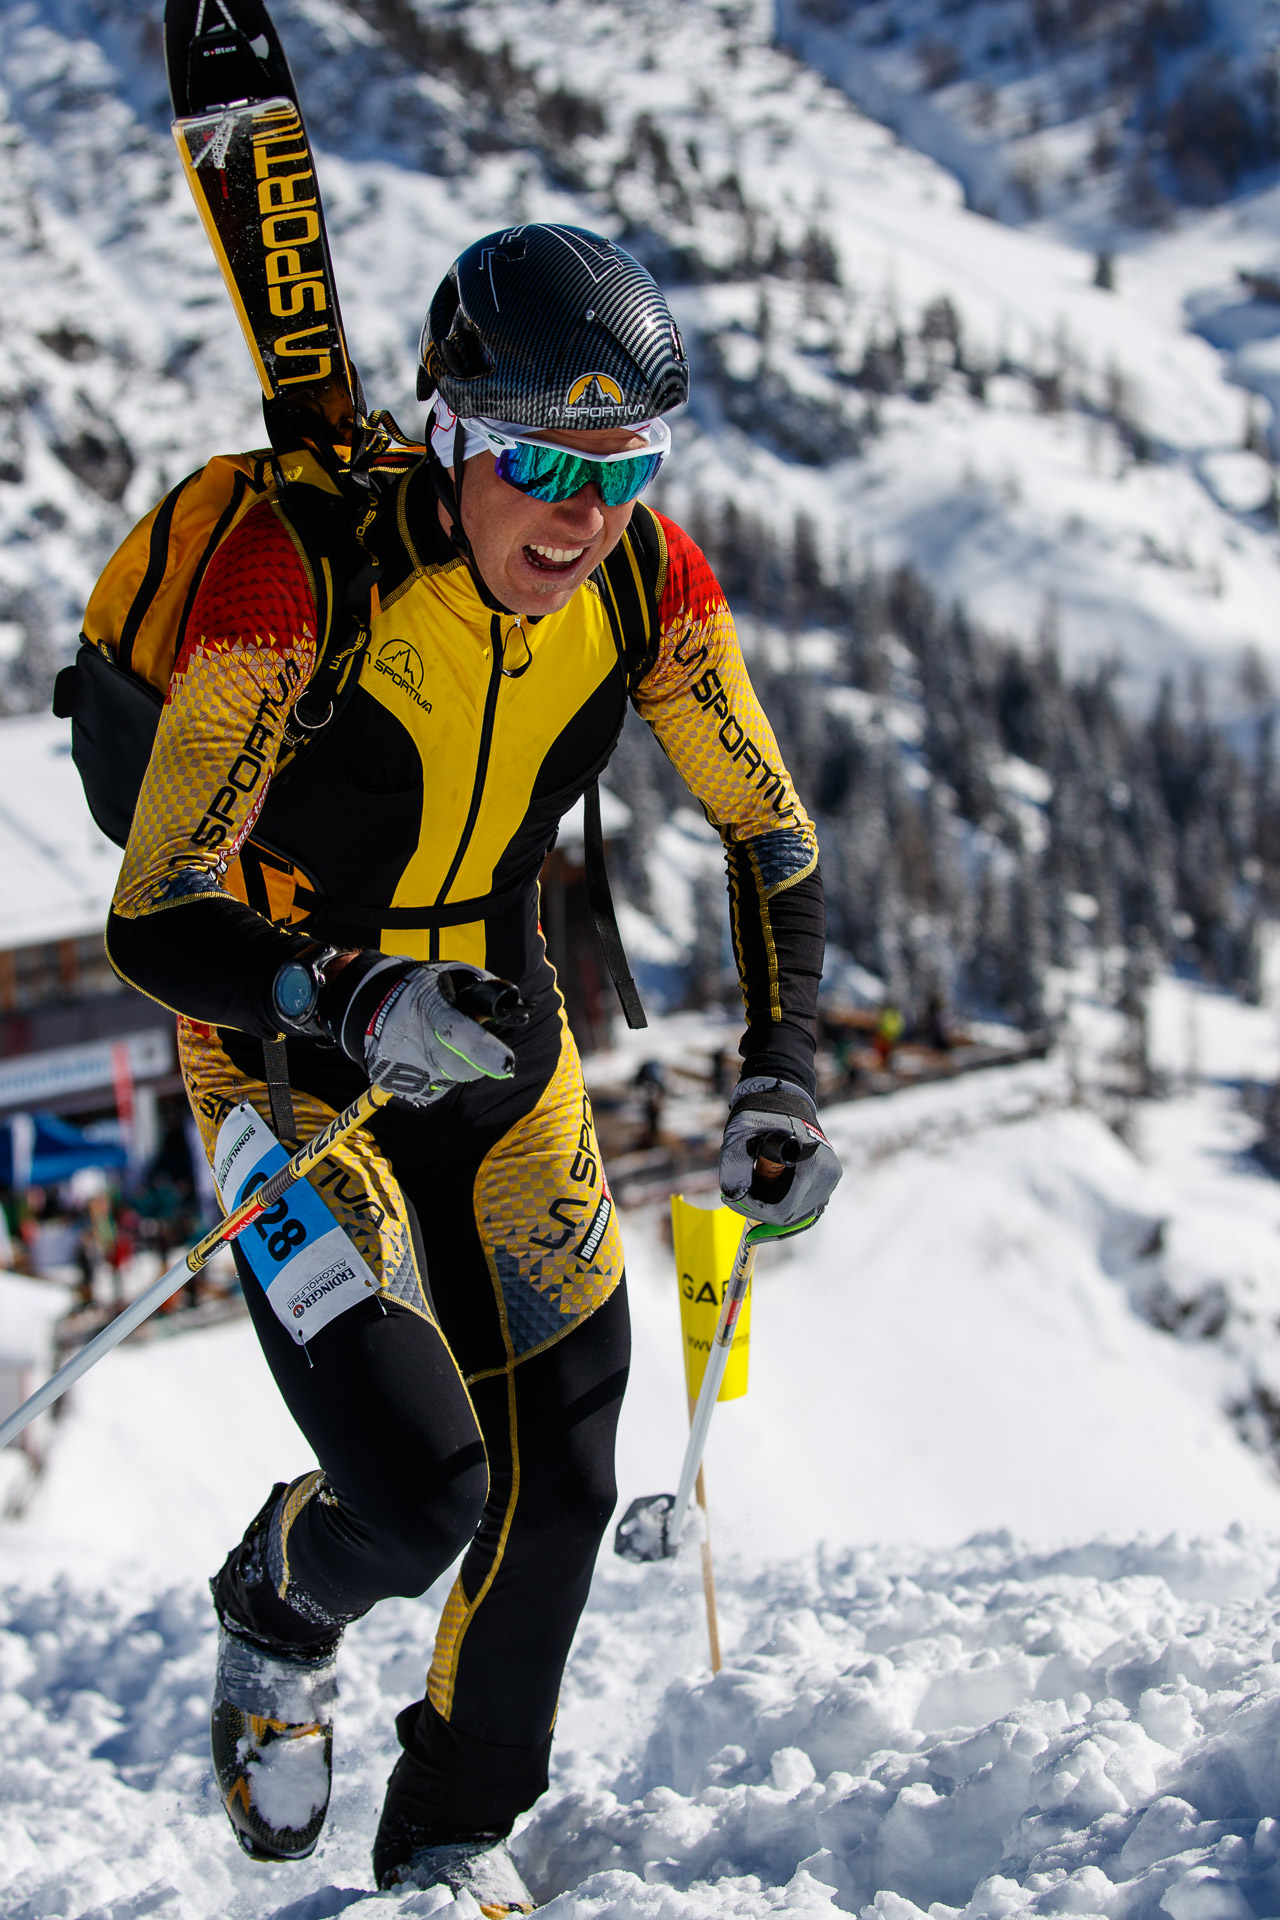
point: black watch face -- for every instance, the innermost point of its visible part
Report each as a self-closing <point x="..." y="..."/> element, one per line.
<point x="295" y="991"/>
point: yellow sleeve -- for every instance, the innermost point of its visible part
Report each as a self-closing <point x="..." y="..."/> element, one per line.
<point x="249" y="648"/>
<point x="699" y="701"/>
<point x="247" y="654"/>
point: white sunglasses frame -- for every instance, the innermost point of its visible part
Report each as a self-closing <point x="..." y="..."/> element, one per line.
<point x="500" y="441"/>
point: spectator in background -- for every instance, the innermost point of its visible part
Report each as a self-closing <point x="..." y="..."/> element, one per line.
<point x="938" y="1031"/>
<point x="887" y="1035"/>
<point x="653" y="1091"/>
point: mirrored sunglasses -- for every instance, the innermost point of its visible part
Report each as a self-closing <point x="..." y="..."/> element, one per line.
<point x="546" y="472"/>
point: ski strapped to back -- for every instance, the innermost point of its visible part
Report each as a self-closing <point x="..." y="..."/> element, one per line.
<point x="248" y="162"/>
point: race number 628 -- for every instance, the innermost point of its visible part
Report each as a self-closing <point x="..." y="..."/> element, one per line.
<point x="279" y="1229"/>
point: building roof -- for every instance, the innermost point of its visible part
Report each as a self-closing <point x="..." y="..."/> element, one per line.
<point x="57" y="872"/>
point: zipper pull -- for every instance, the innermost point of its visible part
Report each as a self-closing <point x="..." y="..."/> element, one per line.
<point x="514" y="673"/>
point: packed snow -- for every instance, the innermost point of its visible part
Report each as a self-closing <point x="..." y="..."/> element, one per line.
<point x="1074" y="1711"/>
<point x="289" y="1780"/>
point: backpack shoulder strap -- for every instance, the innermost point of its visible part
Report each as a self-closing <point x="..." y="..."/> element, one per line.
<point x="600" y="900"/>
<point x="631" y="583"/>
<point x="329" y="530"/>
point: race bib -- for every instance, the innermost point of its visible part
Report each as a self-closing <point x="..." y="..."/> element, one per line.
<point x="304" y="1262"/>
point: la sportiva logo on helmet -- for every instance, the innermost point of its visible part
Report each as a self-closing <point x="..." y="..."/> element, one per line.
<point x="402" y="664"/>
<point x="594" y="396"/>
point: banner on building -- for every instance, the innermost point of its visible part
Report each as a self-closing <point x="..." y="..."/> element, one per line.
<point x="35" y="1079"/>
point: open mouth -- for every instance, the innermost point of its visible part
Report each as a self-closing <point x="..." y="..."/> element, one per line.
<point x="553" y="559"/>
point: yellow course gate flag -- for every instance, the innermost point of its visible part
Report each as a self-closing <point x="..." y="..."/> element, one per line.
<point x="707" y="1240"/>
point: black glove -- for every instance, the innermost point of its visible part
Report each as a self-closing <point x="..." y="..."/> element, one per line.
<point x="401" y="1021"/>
<point x="776" y="1120"/>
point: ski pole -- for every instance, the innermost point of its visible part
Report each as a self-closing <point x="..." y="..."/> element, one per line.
<point x="727" y="1325"/>
<point x="308" y="1156"/>
<point x="651" y="1526"/>
<point x="490" y="1002"/>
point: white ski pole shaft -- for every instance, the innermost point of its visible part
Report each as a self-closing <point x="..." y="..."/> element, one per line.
<point x="160" y="1290"/>
<point x="717" y="1360"/>
<point x="93" y="1350"/>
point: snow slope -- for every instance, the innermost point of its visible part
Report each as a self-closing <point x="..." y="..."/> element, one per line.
<point x="994" y="1730"/>
<point x="999" y="1727"/>
<point x="1099" y="120"/>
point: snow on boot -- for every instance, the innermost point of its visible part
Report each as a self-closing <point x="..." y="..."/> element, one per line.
<point x="481" y="1866"/>
<point x="272" y="1737"/>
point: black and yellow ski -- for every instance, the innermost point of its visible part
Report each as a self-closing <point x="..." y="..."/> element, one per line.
<point x="249" y="164"/>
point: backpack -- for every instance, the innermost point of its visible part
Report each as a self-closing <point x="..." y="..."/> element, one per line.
<point x="115" y="689"/>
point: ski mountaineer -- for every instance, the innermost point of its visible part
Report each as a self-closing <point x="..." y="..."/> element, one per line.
<point x="470" y="1406"/>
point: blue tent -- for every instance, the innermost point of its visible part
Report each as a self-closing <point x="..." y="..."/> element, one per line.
<point x="57" y="1150"/>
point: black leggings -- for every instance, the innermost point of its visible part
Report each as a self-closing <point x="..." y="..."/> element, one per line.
<point x="471" y="1408"/>
<point x="402" y="1445"/>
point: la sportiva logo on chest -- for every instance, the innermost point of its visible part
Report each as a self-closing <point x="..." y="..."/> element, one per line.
<point x="402" y="665"/>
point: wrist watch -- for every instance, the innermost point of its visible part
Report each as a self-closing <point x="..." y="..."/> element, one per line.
<point x="295" y="993"/>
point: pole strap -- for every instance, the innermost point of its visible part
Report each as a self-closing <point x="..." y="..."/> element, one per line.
<point x="275" y="1067"/>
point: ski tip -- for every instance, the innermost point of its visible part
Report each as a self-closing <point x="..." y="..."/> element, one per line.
<point x="643" y="1533"/>
<point x="219" y="55"/>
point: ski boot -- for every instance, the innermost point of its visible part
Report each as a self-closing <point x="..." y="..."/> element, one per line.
<point x="408" y="1855"/>
<point x="482" y="1867"/>
<point x="272" y="1726"/>
<point x="272" y="1739"/>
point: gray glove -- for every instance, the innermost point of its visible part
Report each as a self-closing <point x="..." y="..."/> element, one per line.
<point x="402" y="1024"/>
<point x="776" y="1120"/>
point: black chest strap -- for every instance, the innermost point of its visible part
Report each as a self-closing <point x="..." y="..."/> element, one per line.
<point x="600" y="899"/>
<point x="629" y="583"/>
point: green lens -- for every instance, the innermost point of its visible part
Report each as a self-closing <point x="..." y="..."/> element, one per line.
<point x="547" y="473"/>
<point x="623" y="480"/>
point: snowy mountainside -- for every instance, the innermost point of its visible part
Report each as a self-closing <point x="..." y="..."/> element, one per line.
<point x="925" y="384"/>
<point x="1144" y="133"/>
<point x="881" y="377"/>
<point x="1100" y="116"/>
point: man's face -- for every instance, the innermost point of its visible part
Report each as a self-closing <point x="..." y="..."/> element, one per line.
<point x="533" y="554"/>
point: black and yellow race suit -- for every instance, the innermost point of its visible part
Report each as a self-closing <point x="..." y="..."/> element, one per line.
<point x="418" y="823"/>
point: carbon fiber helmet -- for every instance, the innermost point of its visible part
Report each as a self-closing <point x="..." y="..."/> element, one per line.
<point x="549" y="326"/>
